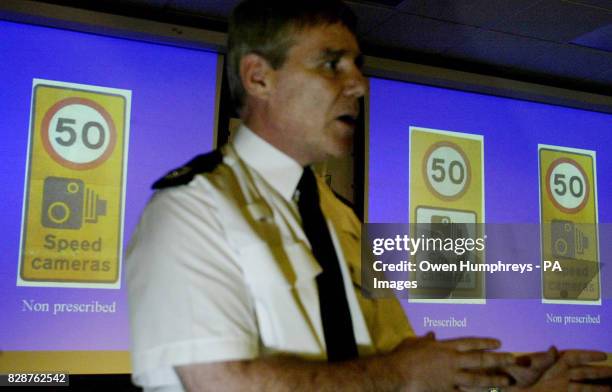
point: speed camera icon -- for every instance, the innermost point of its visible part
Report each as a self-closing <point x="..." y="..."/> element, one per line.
<point x="67" y="203"/>
<point x="567" y="239"/>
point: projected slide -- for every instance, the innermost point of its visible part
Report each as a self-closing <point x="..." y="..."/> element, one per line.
<point x="524" y="184"/>
<point x="89" y="123"/>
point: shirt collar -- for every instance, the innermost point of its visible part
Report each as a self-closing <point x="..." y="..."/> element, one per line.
<point x="280" y="170"/>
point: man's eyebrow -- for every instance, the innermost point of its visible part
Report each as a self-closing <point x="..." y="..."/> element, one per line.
<point x="329" y="53"/>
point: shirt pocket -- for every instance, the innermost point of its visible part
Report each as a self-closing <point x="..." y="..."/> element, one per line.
<point x="282" y="280"/>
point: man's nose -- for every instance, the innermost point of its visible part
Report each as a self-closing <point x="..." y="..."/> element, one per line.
<point x="356" y="85"/>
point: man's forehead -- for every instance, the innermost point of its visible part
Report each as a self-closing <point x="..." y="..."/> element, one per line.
<point x="327" y="40"/>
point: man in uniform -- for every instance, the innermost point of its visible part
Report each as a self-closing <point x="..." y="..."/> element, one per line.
<point x="244" y="271"/>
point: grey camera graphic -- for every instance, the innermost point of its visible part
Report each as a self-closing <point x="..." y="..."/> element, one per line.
<point x="567" y="240"/>
<point x="67" y="203"/>
<point x="442" y="227"/>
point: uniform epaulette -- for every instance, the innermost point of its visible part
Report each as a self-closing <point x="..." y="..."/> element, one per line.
<point x="183" y="175"/>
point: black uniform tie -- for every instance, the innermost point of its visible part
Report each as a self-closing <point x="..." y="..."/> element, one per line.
<point x="335" y="313"/>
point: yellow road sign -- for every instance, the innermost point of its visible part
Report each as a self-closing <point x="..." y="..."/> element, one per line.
<point x="447" y="201"/>
<point x="569" y="217"/>
<point x="72" y="228"/>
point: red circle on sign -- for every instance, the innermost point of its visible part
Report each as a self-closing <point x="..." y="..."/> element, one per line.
<point x="468" y="169"/>
<point x="572" y="162"/>
<point x="61" y="160"/>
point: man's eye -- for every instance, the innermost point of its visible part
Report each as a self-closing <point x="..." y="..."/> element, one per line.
<point x="331" y="65"/>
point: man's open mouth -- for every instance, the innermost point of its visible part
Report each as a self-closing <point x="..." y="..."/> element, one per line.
<point x="348" y="119"/>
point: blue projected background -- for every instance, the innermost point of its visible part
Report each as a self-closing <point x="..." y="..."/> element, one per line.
<point x="512" y="130"/>
<point x="172" y="119"/>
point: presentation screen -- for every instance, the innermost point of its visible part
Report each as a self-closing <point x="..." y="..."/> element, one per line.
<point x="89" y="123"/>
<point x="490" y="216"/>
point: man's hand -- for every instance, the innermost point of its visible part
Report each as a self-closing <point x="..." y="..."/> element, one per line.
<point x="530" y="367"/>
<point x="570" y="372"/>
<point x="429" y="365"/>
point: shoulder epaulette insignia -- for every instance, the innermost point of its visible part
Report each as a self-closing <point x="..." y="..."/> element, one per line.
<point x="183" y="175"/>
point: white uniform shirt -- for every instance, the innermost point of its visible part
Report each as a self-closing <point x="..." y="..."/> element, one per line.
<point x="220" y="269"/>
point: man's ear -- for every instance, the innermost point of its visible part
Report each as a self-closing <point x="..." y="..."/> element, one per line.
<point x="256" y="74"/>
